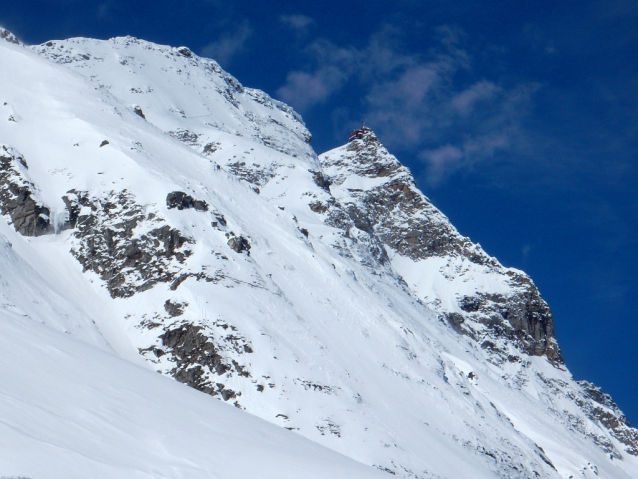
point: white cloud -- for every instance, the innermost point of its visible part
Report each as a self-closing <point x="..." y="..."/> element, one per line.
<point x="464" y="101"/>
<point x="334" y="67"/>
<point x="231" y="43"/>
<point x="297" y="21"/>
<point x="444" y="161"/>
<point x="304" y="90"/>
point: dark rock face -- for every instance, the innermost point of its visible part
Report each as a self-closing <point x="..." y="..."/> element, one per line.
<point x="254" y="174"/>
<point x="132" y="250"/>
<point x="522" y="319"/>
<point x="29" y="217"/>
<point x="403" y="218"/>
<point x="239" y="244"/>
<point x="320" y="180"/>
<point x="202" y="359"/>
<point x="600" y="408"/>
<point x="174" y="309"/>
<point x="185" y="51"/>
<point x="8" y="36"/>
<point x="105" y="228"/>
<point x="396" y="215"/>
<point x="138" y="111"/>
<point x="186" y="136"/>
<point x="182" y="201"/>
<point x="210" y="148"/>
<point x="192" y="352"/>
<point x="318" y="207"/>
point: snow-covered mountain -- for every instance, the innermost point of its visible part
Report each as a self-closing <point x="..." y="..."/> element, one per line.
<point x="159" y="211"/>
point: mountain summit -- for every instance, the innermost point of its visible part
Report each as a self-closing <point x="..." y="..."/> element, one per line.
<point x="159" y="212"/>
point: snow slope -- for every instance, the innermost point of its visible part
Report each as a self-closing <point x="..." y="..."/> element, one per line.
<point x="182" y="221"/>
<point x="70" y="410"/>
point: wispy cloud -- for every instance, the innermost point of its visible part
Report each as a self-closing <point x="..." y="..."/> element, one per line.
<point x="526" y="250"/>
<point x="297" y="22"/>
<point x="465" y="101"/>
<point x="455" y="123"/>
<point x="444" y="161"/>
<point x="305" y="90"/>
<point x="231" y="43"/>
<point x="334" y="67"/>
<point x="425" y="102"/>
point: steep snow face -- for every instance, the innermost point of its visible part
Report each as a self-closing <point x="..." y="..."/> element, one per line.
<point x="240" y="270"/>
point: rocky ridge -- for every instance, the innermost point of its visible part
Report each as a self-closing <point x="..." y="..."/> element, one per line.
<point x="388" y="205"/>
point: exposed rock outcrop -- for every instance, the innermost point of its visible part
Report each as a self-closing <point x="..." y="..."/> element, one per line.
<point x="130" y="248"/>
<point x="182" y="201"/>
<point x="239" y="244"/>
<point x="138" y="111"/>
<point x="9" y="37"/>
<point x="28" y="216"/>
<point x="174" y="309"/>
<point x="601" y="409"/>
<point x="202" y="357"/>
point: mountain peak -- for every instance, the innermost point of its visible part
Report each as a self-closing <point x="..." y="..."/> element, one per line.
<point x="371" y="183"/>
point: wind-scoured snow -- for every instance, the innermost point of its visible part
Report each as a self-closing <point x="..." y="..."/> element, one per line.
<point x="267" y="284"/>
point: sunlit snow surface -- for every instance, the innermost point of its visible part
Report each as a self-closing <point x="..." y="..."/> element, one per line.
<point x="342" y="354"/>
<point x="70" y="410"/>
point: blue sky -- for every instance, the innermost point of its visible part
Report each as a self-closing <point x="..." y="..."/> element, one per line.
<point x="519" y="120"/>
